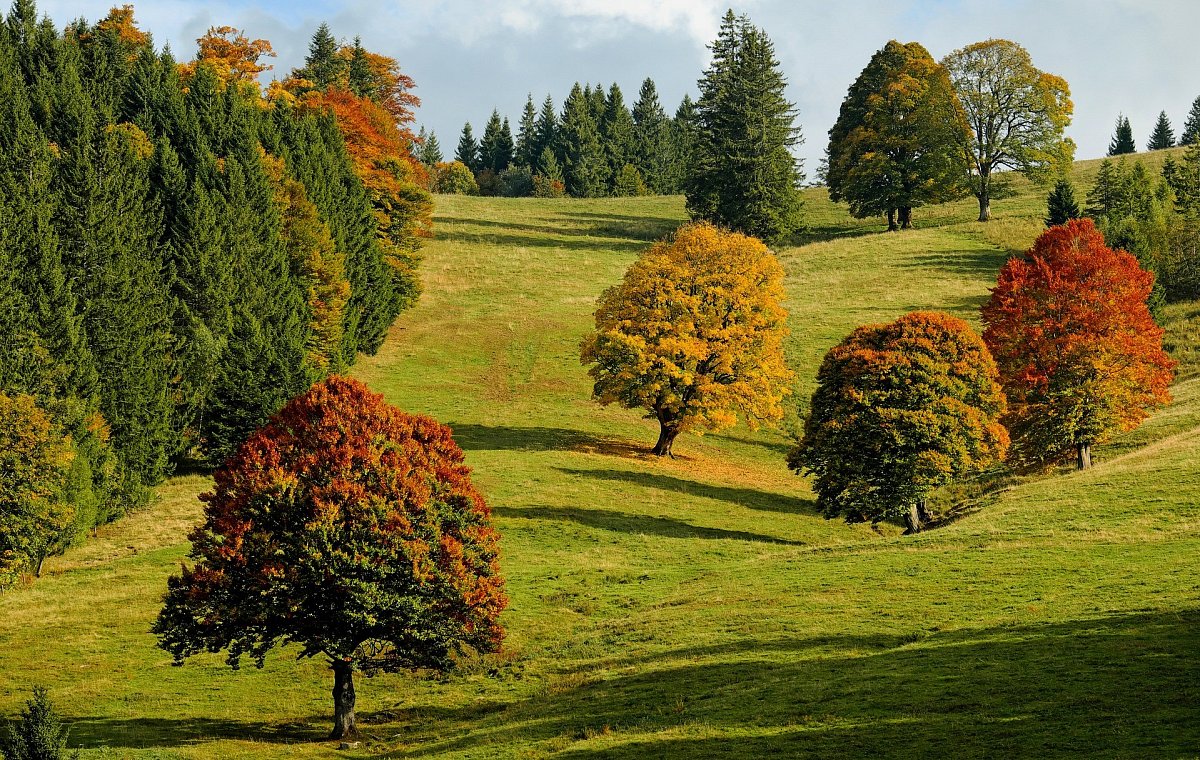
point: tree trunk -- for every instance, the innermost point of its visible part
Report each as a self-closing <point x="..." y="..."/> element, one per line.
<point x="37" y="573"/>
<point x="916" y="518"/>
<point x="1085" y="455"/>
<point x="666" y="437"/>
<point x="906" y="217"/>
<point x="891" y="216"/>
<point x="985" y="196"/>
<point x="344" y="724"/>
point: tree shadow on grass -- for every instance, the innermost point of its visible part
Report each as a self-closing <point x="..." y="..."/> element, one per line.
<point x="746" y="497"/>
<point x="1120" y="686"/>
<point x="985" y="264"/>
<point x="473" y="437"/>
<point x="107" y="731"/>
<point x="625" y="522"/>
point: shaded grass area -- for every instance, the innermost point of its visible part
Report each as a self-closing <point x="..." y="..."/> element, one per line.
<point x="694" y="607"/>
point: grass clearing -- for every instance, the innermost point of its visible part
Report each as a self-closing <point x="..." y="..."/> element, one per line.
<point x="695" y="607"/>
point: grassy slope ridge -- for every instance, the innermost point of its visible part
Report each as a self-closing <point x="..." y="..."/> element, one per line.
<point x="694" y="607"/>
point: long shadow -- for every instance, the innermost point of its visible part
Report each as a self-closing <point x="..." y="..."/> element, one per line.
<point x="472" y="437"/>
<point x="745" y="497"/>
<point x="825" y="233"/>
<point x="1120" y="686"/>
<point x="106" y="731"/>
<point x="624" y="522"/>
<point x="974" y="262"/>
<point x="530" y="241"/>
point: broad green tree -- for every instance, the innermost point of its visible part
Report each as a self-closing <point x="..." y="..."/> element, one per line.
<point x="1017" y="114"/>
<point x="897" y="143"/>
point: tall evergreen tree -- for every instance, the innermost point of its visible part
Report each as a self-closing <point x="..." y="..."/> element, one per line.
<point x="597" y="101"/>
<point x="468" y="150"/>
<point x="1104" y="197"/>
<point x="361" y="79"/>
<point x="504" y="147"/>
<point x="323" y="65"/>
<point x="1061" y="206"/>
<point x="580" y="145"/>
<point x="616" y="135"/>
<point x="1191" y="127"/>
<point x="546" y="129"/>
<point x="526" y="152"/>
<point x="651" y="148"/>
<point x="743" y="174"/>
<point x="430" y="151"/>
<point x="684" y="136"/>
<point x="490" y="145"/>
<point x="1162" y="136"/>
<point x="1122" y="141"/>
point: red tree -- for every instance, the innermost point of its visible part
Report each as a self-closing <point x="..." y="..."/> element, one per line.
<point x="349" y="528"/>
<point x="1080" y="356"/>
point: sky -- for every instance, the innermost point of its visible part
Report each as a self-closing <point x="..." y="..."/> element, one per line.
<point x="1135" y="57"/>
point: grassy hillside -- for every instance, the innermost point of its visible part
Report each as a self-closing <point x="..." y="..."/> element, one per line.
<point x="695" y="607"/>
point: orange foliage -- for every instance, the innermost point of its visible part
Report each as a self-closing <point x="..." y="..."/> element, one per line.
<point x="233" y="56"/>
<point x="120" y="22"/>
<point x="1079" y="354"/>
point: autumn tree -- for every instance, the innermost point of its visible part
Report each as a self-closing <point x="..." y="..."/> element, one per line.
<point x="1122" y="141"/>
<point x="1079" y="355"/>
<point x="350" y="529"/>
<point x="34" y="463"/>
<point x="1061" y="206"/>
<point x="234" y="56"/>
<point x="1017" y="114"/>
<point x="693" y="334"/>
<point x="742" y="173"/>
<point x="1162" y="136"/>
<point x="897" y="143"/>
<point x="901" y="409"/>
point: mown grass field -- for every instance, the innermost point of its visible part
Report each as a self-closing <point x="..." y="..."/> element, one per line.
<point x="695" y="607"/>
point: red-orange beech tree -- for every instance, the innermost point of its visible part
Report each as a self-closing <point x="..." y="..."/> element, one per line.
<point x="351" y="529"/>
<point x="694" y="334"/>
<point x="899" y="410"/>
<point x="1080" y="356"/>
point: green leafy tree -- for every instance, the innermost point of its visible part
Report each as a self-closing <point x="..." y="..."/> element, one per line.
<point x="1162" y="136"/>
<point x="1061" y="206"/>
<point x="1191" y="127"/>
<point x="901" y="409"/>
<point x="629" y="182"/>
<point x="579" y="140"/>
<point x="1122" y="141"/>
<point x="743" y="174"/>
<point x="350" y="529"/>
<point x="1017" y="115"/>
<point x="897" y="143"/>
<point x="651" y="145"/>
<point x="455" y="178"/>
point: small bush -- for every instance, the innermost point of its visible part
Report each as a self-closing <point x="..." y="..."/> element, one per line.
<point x="545" y="187"/>
<point x="40" y="734"/>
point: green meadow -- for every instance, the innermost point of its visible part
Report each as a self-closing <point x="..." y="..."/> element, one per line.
<point x="696" y="606"/>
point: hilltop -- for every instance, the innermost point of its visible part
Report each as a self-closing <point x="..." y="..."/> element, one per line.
<point x="695" y="607"/>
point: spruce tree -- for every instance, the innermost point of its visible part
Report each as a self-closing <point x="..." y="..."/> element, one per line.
<point x="526" y="151"/>
<point x="1162" y="136"/>
<point x="430" y="151"/>
<point x="491" y="145"/>
<point x="1191" y="127"/>
<point x="597" y="101"/>
<point x="743" y="174"/>
<point x="548" y="166"/>
<point x="546" y="130"/>
<point x="468" y="150"/>
<point x="1061" y="206"/>
<point x="361" y="79"/>
<point x="684" y="135"/>
<point x="1104" y="197"/>
<point x="651" y="149"/>
<point x="616" y="135"/>
<point x="323" y="66"/>
<point x="1122" y="141"/>
<point x="504" y="147"/>
<point x="580" y="144"/>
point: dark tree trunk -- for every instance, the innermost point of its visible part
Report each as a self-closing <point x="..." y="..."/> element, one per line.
<point x="344" y="724"/>
<point x="666" y="437"/>
<point x="37" y="573"/>
<point x="906" y="217"/>
<point x="916" y="518"/>
<point x="985" y="196"/>
<point x="892" y="226"/>
<point x="1085" y="455"/>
